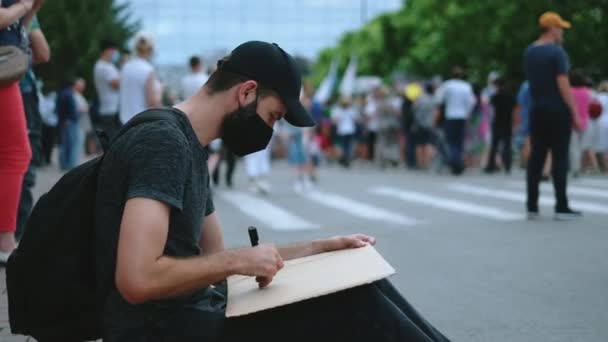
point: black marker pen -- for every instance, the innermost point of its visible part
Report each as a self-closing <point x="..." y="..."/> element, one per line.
<point x="253" y="236"/>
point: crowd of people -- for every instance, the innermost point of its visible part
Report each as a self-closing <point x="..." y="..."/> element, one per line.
<point x="422" y="124"/>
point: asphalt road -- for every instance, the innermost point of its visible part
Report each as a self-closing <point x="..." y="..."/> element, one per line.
<point x="464" y="253"/>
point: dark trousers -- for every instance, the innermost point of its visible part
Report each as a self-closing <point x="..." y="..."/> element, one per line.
<point x="549" y="131"/>
<point x="371" y="145"/>
<point x="410" y="151"/>
<point x="49" y="135"/>
<point x="454" y="134"/>
<point x="501" y="133"/>
<point x="346" y="143"/>
<point x="375" y="312"/>
<point x="34" y="127"/>
<point x="230" y="159"/>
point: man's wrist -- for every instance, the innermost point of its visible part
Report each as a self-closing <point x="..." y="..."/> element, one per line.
<point x="320" y="246"/>
<point x="235" y="263"/>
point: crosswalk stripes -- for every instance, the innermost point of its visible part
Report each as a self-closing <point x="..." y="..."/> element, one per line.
<point x="264" y="211"/>
<point x="594" y="182"/>
<point x="572" y="189"/>
<point x="441" y="202"/>
<point x="358" y="209"/>
<point x="520" y="197"/>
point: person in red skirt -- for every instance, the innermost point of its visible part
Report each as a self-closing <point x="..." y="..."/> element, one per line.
<point x="15" y="152"/>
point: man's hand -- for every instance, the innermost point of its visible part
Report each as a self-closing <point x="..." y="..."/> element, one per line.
<point x="262" y="262"/>
<point x="346" y="242"/>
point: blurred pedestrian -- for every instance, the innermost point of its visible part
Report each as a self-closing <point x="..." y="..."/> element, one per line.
<point x="257" y="167"/>
<point x="311" y="143"/>
<point x="458" y="97"/>
<point x="50" y="122"/>
<point x="522" y="114"/>
<point x="388" y="150"/>
<point x="424" y="109"/>
<point x="372" y="113"/>
<point x="554" y="113"/>
<point x="601" y="145"/>
<point x="344" y="116"/>
<point x="107" y="84"/>
<point x="15" y="151"/>
<point x="225" y="155"/>
<point x="410" y="95"/>
<point x="580" y="140"/>
<point x="40" y="53"/>
<point x="503" y="103"/>
<point x="140" y="88"/>
<point x="69" y="125"/>
<point x="296" y="156"/>
<point x="193" y="82"/>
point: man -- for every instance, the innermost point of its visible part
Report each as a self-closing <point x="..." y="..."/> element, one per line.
<point x="458" y="99"/>
<point x="140" y="88"/>
<point x="41" y="54"/>
<point x="192" y="82"/>
<point x="503" y="103"/>
<point x="159" y="247"/>
<point x="69" y="124"/>
<point x="553" y="113"/>
<point x="107" y="83"/>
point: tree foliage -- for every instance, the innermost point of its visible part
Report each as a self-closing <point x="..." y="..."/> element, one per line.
<point x="428" y="37"/>
<point x="75" y="30"/>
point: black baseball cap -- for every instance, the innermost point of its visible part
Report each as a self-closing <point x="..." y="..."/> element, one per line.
<point x="275" y="69"/>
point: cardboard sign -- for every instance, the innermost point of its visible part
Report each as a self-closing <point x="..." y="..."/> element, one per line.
<point x="306" y="278"/>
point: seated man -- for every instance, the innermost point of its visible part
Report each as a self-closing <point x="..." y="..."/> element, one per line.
<point x="159" y="245"/>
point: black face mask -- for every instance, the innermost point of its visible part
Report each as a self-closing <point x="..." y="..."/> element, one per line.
<point x="245" y="132"/>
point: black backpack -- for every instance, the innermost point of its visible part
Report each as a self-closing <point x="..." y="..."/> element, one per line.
<point x="50" y="278"/>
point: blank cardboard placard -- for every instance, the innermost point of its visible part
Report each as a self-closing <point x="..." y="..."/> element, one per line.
<point x="306" y="278"/>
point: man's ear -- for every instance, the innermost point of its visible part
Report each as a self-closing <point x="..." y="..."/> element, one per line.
<point x="247" y="92"/>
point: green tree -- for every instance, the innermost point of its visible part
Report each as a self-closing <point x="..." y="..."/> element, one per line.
<point x="75" y="30"/>
<point x="428" y="37"/>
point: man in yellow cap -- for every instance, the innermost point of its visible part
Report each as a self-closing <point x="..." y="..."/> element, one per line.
<point x="553" y="112"/>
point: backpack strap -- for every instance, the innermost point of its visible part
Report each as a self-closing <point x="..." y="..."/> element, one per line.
<point x="150" y="115"/>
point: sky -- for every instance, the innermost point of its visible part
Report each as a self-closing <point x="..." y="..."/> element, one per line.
<point x="182" y="28"/>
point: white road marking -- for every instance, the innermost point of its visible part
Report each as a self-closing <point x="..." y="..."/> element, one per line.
<point x="458" y="206"/>
<point x="264" y="211"/>
<point x="358" y="209"/>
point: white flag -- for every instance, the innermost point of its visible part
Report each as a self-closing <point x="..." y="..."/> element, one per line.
<point x="326" y="87"/>
<point x="347" y="87"/>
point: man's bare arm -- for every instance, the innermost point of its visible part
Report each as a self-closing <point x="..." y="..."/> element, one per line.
<point x="143" y="273"/>
<point x="153" y="97"/>
<point x="563" y="83"/>
<point x="212" y="239"/>
<point x="301" y="250"/>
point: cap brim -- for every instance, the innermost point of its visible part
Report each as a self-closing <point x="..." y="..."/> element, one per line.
<point x="565" y="24"/>
<point x="297" y="115"/>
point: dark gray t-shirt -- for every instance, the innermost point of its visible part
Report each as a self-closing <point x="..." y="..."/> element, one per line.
<point x="542" y="64"/>
<point x="164" y="161"/>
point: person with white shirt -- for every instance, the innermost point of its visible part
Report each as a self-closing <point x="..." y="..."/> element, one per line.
<point x="140" y="89"/>
<point x="371" y="112"/>
<point x="601" y="143"/>
<point x="345" y="116"/>
<point x="458" y="100"/>
<point x="107" y="83"/>
<point x="192" y="82"/>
